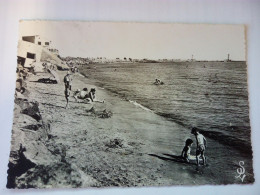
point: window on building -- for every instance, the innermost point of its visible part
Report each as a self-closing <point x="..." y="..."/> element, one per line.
<point x="29" y="39"/>
<point x="30" y="55"/>
<point x="46" y="43"/>
<point x="39" y="43"/>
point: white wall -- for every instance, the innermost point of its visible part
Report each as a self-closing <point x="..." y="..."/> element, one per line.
<point x="24" y="47"/>
<point x="42" y="40"/>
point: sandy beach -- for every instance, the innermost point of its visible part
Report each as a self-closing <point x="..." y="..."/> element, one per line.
<point x="76" y="147"/>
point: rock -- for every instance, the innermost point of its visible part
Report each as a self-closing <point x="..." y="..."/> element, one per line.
<point x="31" y="109"/>
<point x="115" y="143"/>
<point x="17" y="167"/>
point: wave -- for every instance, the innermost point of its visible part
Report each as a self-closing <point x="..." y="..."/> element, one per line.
<point x="82" y="74"/>
<point x="140" y="106"/>
<point x="176" y="118"/>
<point x="241" y="145"/>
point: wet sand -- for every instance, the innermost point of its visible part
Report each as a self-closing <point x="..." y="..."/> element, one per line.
<point x="83" y="150"/>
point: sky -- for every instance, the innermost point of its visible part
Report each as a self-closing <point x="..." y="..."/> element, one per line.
<point x="141" y="40"/>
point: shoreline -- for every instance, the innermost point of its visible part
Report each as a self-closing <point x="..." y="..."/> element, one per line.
<point x="240" y="145"/>
<point x="102" y="152"/>
<point x="160" y="62"/>
<point x="225" y="149"/>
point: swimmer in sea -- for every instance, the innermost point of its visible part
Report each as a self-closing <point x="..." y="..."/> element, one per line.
<point x="158" y="82"/>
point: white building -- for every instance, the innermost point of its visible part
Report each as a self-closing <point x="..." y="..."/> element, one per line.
<point x="36" y="39"/>
<point x="32" y="50"/>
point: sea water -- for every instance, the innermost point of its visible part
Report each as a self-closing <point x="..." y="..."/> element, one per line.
<point x="209" y="95"/>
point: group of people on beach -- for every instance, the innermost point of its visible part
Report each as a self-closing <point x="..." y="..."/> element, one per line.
<point x="87" y="96"/>
<point x="200" y="150"/>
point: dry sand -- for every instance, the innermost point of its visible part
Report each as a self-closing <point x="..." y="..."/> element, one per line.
<point x="76" y="148"/>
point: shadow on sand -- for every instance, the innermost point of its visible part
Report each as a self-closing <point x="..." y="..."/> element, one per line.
<point x="46" y="80"/>
<point x="53" y="105"/>
<point x="171" y="157"/>
<point x="52" y="94"/>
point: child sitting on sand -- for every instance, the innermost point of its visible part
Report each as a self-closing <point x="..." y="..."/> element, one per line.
<point x="186" y="151"/>
<point x="201" y="145"/>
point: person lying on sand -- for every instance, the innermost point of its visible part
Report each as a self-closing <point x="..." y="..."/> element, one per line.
<point x="87" y="96"/>
<point x="80" y="93"/>
<point x="201" y="145"/>
<point x="186" y="151"/>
